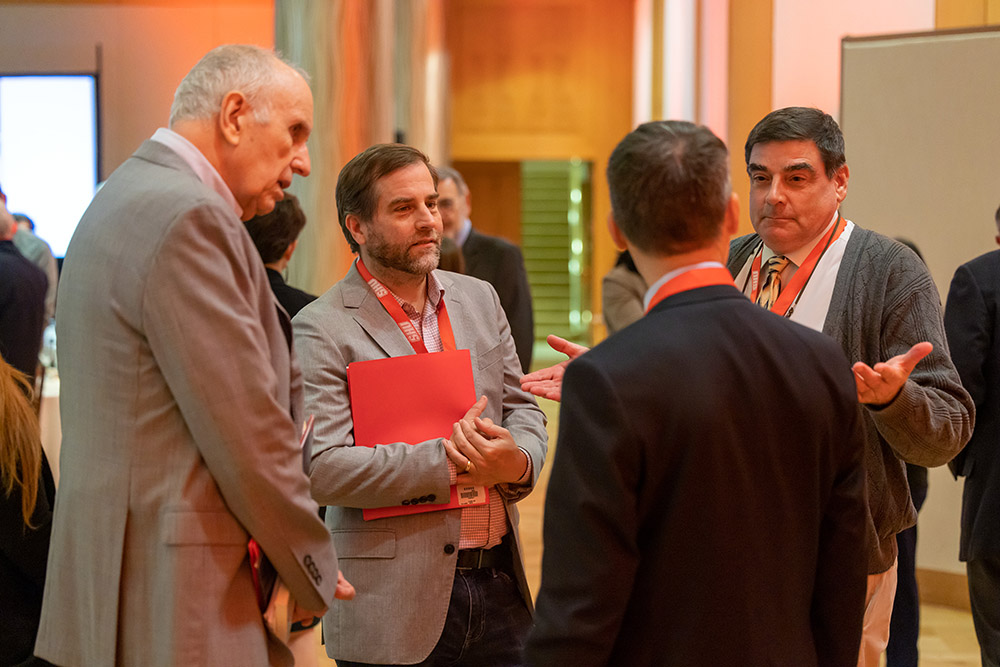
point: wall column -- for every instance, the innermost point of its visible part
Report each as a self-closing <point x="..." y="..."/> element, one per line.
<point x="372" y="75"/>
<point x="750" y="74"/>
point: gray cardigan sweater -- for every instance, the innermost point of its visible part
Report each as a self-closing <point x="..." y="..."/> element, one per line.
<point x="885" y="301"/>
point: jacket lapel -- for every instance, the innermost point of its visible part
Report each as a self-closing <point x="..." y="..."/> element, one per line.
<point x="457" y="312"/>
<point x="371" y="315"/>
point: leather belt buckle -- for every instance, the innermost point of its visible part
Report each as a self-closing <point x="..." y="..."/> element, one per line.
<point x="475" y="559"/>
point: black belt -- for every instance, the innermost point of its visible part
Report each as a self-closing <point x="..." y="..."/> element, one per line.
<point x="475" y="559"/>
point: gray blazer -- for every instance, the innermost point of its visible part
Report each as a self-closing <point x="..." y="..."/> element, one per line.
<point x="402" y="567"/>
<point x="179" y="407"/>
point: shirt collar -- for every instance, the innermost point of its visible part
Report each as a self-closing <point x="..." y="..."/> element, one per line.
<point x="202" y="168"/>
<point x="435" y="292"/>
<point x="799" y="255"/>
<point x="667" y="277"/>
<point x="463" y="232"/>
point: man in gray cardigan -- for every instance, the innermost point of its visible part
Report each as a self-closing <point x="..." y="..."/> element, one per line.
<point x="875" y="297"/>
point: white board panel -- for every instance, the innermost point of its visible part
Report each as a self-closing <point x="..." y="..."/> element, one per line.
<point x="921" y="118"/>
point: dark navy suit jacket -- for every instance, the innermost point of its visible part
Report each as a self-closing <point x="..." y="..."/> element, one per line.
<point x="707" y="500"/>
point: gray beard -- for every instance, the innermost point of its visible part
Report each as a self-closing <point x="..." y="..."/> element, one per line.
<point x="399" y="259"/>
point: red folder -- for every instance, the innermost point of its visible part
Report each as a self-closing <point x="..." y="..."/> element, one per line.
<point x="412" y="399"/>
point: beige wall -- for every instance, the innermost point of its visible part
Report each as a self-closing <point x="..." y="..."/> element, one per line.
<point x="147" y="48"/>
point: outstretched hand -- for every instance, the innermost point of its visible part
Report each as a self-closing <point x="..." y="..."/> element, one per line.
<point x="880" y="384"/>
<point x="547" y="382"/>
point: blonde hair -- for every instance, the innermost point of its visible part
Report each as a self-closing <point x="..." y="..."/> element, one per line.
<point x="20" y="440"/>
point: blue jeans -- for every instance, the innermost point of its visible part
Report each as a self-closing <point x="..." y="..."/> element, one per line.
<point x="486" y="625"/>
<point x="904" y="628"/>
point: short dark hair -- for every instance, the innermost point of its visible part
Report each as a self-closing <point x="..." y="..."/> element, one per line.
<point x="273" y="232"/>
<point x="996" y="217"/>
<point x="356" y="193"/>
<point x="21" y="217"/>
<point x="801" y="124"/>
<point x="669" y="183"/>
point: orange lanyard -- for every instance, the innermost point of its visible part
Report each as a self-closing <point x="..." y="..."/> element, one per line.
<point x="689" y="280"/>
<point x="798" y="282"/>
<point x="403" y="321"/>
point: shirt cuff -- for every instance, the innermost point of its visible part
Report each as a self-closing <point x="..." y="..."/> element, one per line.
<point x="525" y="477"/>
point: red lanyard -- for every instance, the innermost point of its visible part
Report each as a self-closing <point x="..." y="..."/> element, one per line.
<point x="402" y="320"/>
<point x="689" y="280"/>
<point x="798" y="282"/>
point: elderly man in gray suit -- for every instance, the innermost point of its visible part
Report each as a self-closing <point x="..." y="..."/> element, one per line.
<point x="446" y="586"/>
<point x="181" y="400"/>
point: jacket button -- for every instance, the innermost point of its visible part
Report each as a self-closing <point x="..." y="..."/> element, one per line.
<point x="449" y="549"/>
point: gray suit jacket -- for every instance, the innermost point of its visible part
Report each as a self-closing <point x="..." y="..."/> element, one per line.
<point x="402" y="567"/>
<point x="179" y="407"/>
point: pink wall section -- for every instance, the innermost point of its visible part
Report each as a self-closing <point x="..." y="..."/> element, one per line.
<point x="806" y="55"/>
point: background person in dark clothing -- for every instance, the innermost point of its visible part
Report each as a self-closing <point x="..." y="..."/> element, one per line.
<point x="28" y="493"/>
<point x="22" y="302"/>
<point x="276" y="235"/>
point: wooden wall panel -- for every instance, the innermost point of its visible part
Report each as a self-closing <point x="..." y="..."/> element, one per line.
<point x="496" y="197"/>
<point x="959" y="13"/>
<point x="750" y="53"/>
<point x="950" y="14"/>
<point x="542" y="79"/>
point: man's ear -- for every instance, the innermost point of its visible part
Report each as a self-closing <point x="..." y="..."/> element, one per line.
<point x="616" y="233"/>
<point x="233" y="116"/>
<point x="468" y="201"/>
<point x="840" y="178"/>
<point x="732" y="220"/>
<point x="289" y="250"/>
<point x="355" y="227"/>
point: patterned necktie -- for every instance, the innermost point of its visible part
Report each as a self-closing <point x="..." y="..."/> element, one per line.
<point x="772" y="281"/>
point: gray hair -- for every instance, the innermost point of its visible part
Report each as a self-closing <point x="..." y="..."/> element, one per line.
<point x="251" y="70"/>
<point x="451" y="174"/>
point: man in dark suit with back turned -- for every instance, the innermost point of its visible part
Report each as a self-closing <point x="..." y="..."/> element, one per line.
<point x="708" y="474"/>
<point x="972" y="321"/>
<point x="489" y="258"/>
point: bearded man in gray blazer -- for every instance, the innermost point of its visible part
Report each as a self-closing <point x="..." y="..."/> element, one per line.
<point x="181" y="399"/>
<point x="447" y="586"/>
